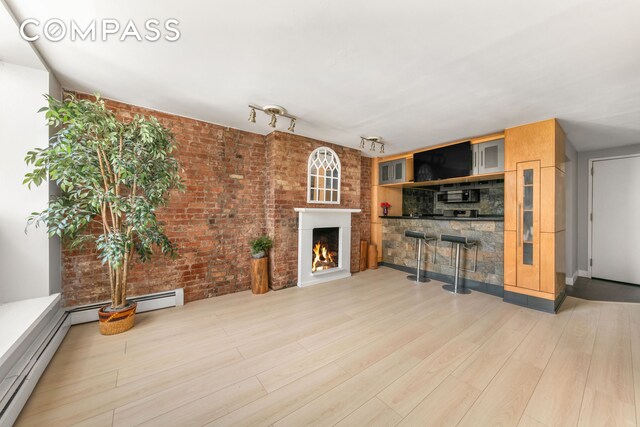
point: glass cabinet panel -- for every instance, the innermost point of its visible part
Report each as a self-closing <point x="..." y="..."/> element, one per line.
<point x="399" y="175"/>
<point x="528" y="197"/>
<point x="385" y="173"/>
<point x="391" y="171"/>
<point x="491" y="159"/>
<point x="527" y="218"/>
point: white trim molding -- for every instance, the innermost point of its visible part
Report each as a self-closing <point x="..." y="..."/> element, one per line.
<point x="571" y="280"/>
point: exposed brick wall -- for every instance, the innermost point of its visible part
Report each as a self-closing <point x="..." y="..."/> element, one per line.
<point x="211" y="223"/>
<point x="239" y="185"/>
<point x="287" y="156"/>
<point x="365" y="198"/>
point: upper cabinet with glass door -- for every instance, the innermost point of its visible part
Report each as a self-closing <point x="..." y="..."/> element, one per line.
<point x="393" y="171"/>
<point x="488" y="157"/>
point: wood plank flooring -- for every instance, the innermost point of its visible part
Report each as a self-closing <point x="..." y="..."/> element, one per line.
<point x="374" y="349"/>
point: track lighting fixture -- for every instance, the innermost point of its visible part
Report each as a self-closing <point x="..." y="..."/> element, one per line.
<point x="373" y="140"/>
<point x="274" y="111"/>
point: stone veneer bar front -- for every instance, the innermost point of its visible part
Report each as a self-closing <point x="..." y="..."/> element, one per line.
<point x="399" y="251"/>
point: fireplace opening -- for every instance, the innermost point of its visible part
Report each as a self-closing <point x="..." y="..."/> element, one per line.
<point x="325" y="248"/>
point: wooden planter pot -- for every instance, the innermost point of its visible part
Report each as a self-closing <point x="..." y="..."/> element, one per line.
<point x="116" y="322"/>
<point x="260" y="275"/>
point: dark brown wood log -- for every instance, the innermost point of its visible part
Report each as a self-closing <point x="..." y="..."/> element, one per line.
<point x="260" y="275"/>
<point x="364" y="248"/>
<point x="373" y="256"/>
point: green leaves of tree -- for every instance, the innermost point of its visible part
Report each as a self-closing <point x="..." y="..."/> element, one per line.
<point x="111" y="172"/>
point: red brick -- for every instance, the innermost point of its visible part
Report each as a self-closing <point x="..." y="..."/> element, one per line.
<point x="214" y="220"/>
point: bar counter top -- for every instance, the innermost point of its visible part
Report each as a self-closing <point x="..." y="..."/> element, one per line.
<point x="399" y="251"/>
<point x="448" y="218"/>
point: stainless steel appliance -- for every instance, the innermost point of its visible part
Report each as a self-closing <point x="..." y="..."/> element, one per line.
<point x="459" y="196"/>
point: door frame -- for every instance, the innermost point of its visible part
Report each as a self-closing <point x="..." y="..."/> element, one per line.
<point x="590" y="202"/>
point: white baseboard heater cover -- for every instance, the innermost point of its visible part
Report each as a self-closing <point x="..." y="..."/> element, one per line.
<point x="150" y="302"/>
<point x="30" y="361"/>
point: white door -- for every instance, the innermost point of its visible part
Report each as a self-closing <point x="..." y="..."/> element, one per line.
<point x="615" y="238"/>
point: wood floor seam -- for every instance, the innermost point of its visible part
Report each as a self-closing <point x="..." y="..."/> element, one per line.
<point x="370" y="350"/>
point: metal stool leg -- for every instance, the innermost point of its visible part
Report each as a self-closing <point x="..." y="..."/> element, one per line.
<point x="456" y="278"/>
<point x="417" y="277"/>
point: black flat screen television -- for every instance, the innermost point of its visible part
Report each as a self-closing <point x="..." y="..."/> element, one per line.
<point x="451" y="161"/>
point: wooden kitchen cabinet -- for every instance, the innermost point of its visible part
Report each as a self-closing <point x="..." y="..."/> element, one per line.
<point x="488" y="157"/>
<point x="534" y="269"/>
<point x="379" y="194"/>
<point x="392" y="172"/>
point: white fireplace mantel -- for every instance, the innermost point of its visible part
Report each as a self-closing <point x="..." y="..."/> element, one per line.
<point x="328" y="210"/>
<point x="310" y="218"/>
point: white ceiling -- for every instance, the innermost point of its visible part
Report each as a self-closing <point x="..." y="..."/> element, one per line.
<point x="416" y="73"/>
<point x="12" y="48"/>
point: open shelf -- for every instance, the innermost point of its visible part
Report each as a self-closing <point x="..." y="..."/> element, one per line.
<point x="470" y="178"/>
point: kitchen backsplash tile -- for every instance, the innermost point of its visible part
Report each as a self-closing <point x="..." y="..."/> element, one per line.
<point x="423" y="201"/>
<point x="417" y="200"/>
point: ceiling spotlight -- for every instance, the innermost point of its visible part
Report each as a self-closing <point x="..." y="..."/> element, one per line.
<point x="373" y="140"/>
<point x="273" y="111"/>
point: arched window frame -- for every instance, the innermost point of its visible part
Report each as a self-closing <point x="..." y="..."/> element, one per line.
<point x="323" y="158"/>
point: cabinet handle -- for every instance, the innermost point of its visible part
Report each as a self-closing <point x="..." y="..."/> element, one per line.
<point x="518" y="228"/>
<point x="481" y="158"/>
<point x="475" y="158"/>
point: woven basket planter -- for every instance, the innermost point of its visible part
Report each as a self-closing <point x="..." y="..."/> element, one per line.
<point x="116" y="322"/>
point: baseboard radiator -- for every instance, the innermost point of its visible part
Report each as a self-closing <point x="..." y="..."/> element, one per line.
<point x="22" y="370"/>
<point x="151" y="302"/>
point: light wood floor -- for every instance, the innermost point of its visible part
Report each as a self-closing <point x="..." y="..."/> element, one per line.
<point x="374" y="349"/>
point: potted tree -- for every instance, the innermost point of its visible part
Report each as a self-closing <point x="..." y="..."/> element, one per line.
<point x="113" y="175"/>
<point x="260" y="264"/>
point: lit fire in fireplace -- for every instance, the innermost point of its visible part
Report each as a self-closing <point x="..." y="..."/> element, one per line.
<point x="322" y="258"/>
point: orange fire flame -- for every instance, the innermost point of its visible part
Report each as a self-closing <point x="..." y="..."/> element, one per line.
<point x="321" y="255"/>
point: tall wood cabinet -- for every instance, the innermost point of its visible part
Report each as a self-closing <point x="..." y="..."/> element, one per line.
<point x="534" y="223"/>
<point x="379" y="194"/>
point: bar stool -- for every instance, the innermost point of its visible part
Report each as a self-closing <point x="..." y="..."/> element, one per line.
<point x="464" y="243"/>
<point x="420" y="236"/>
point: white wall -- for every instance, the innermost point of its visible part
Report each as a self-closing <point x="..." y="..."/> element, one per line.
<point x="583" y="196"/>
<point x="24" y="258"/>
<point x="571" y="201"/>
<point x="55" y="247"/>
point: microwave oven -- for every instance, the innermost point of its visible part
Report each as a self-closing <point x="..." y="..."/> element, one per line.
<point x="459" y="196"/>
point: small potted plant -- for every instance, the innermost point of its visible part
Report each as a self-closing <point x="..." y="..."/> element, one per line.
<point x="260" y="264"/>
<point x="385" y="208"/>
<point x="260" y="246"/>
